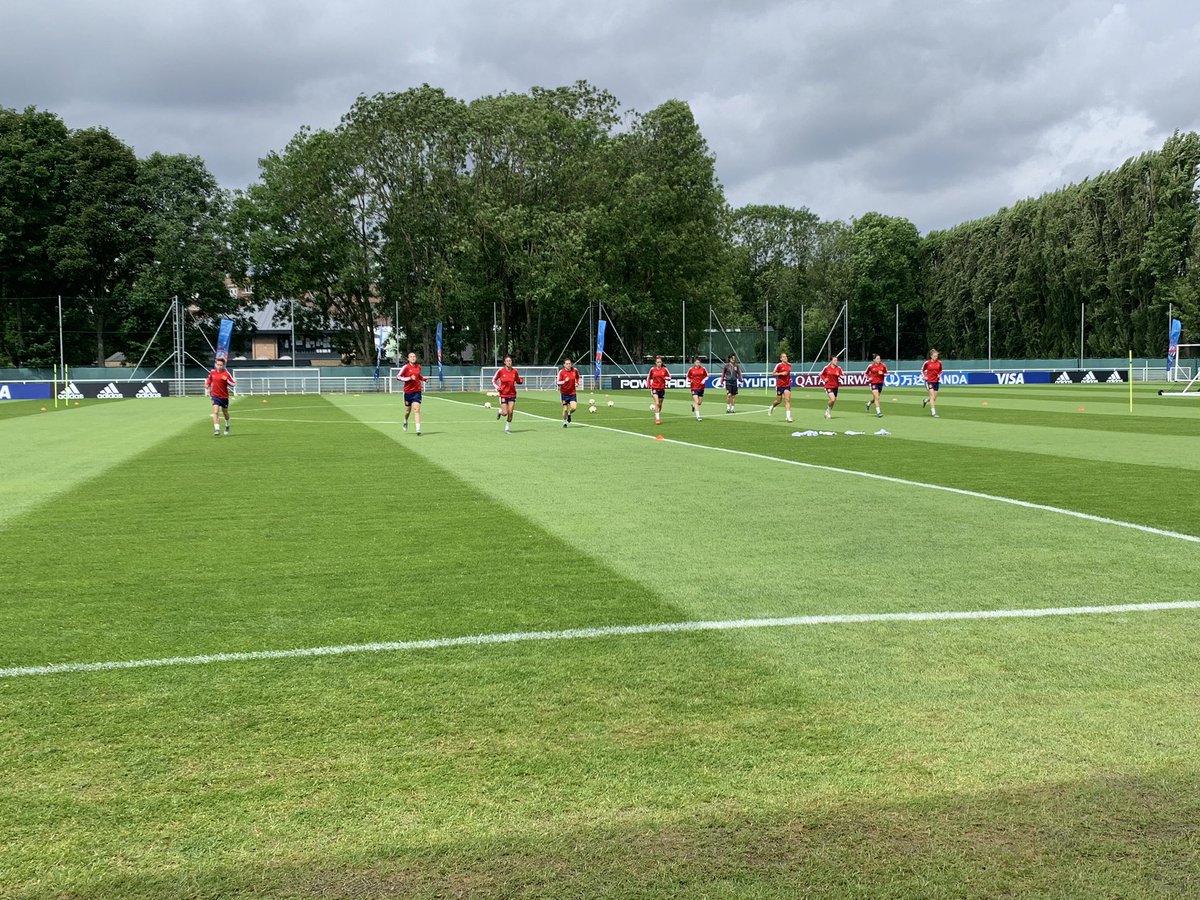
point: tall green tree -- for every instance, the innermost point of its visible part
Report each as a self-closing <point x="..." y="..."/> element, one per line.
<point x="308" y="232"/>
<point x="885" y="266"/>
<point x="97" y="246"/>
<point x="664" y="237"/>
<point x="35" y="159"/>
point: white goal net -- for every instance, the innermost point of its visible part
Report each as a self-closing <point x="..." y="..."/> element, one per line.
<point x="278" y="381"/>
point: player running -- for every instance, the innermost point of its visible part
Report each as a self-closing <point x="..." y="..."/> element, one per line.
<point x="411" y="378"/>
<point x="731" y="374"/>
<point x="831" y="380"/>
<point x="657" y="382"/>
<point x="505" y="382"/>
<point x="783" y="387"/>
<point x="875" y="373"/>
<point x="931" y="371"/>
<point x="568" y="383"/>
<point x="697" y="375"/>
<point x="216" y="387"/>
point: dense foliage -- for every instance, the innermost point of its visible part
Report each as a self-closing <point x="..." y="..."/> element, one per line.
<point x="116" y="236"/>
<point x="506" y="217"/>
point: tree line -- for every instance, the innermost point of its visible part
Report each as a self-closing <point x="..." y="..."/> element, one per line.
<point x="506" y="216"/>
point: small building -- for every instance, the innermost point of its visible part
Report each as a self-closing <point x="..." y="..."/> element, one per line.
<point x="272" y="338"/>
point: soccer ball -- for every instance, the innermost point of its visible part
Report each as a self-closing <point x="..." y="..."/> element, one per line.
<point x="611" y="404"/>
<point x="591" y="409"/>
<point x="652" y="407"/>
<point x="487" y="404"/>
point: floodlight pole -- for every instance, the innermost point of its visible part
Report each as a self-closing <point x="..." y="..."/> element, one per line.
<point x="846" y="330"/>
<point x="897" y="331"/>
<point x="990" y="369"/>
<point x="62" y="359"/>
<point x="802" y="356"/>
<point x="293" y="332"/>
<point x="1081" y="335"/>
<point x="683" y="331"/>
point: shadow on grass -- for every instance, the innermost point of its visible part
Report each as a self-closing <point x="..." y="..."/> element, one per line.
<point x="1107" y="837"/>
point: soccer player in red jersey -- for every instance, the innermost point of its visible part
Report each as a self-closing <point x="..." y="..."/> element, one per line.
<point x="412" y="379"/>
<point x="657" y="382"/>
<point x="216" y="386"/>
<point x="783" y="387"/>
<point x="932" y="373"/>
<point x="505" y="381"/>
<point x="568" y="383"/>
<point x="831" y="380"/>
<point x="875" y="373"/>
<point x="697" y="375"/>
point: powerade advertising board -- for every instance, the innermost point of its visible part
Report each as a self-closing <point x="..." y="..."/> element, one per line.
<point x="902" y="379"/>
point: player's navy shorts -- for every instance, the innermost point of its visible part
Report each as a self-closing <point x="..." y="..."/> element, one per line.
<point x="832" y="391"/>
<point x="877" y="386"/>
<point x="659" y="394"/>
<point x="569" y="398"/>
<point x="223" y="402"/>
<point x="697" y="392"/>
<point x="779" y="390"/>
<point x="512" y="399"/>
<point x="411" y="397"/>
<point x="731" y="389"/>
<point x="933" y="385"/>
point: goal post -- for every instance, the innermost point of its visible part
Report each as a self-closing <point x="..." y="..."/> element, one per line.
<point x="306" y="380"/>
<point x="1185" y="374"/>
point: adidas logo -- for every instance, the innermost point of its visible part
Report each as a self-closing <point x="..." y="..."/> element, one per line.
<point x="70" y="392"/>
<point x="1064" y="378"/>
<point x="148" y="391"/>
<point x="110" y="392"/>
<point x="1089" y="378"/>
<point x="1115" y="378"/>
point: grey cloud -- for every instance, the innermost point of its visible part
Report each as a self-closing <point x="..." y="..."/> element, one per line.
<point x="937" y="111"/>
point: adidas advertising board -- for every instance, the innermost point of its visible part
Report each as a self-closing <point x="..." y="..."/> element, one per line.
<point x="115" y="390"/>
<point x="1090" y="376"/>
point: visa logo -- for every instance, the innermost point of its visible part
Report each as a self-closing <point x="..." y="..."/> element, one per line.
<point x="1010" y="378"/>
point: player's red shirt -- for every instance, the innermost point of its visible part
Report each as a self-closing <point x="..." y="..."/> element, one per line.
<point x="218" y="382"/>
<point x="876" y="372"/>
<point x="783" y="375"/>
<point x="568" y="380"/>
<point x="506" y="381"/>
<point x="412" y="378"/>
<point x="696" y="377"/>
<point x="657" y="379"/>
<point x="932" y="370"/>
<point x="831" y="376"/>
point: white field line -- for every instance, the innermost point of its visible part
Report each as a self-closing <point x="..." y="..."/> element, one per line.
<point x="517" y="637"/>
<point x="962" y="492"/>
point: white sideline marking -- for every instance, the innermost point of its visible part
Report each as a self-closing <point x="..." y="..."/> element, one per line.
<point x="962" y="492"/>
<point x="515" y="637"/>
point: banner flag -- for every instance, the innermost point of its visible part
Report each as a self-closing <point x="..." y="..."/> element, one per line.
<point x="441" y="376"/>
<point x="1173" y="343"/>
<point x="378" y="351"/>
<point x="600" y="326"/>
<point x="223" y="337"/>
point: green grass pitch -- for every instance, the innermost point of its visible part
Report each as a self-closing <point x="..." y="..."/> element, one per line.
<point x="1052" y="756"/>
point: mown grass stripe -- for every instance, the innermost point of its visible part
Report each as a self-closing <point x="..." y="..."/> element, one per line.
<point x="566" y="634"/>
<point x="963" y="492"/>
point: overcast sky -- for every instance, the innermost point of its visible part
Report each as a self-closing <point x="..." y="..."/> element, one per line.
<point x="938" y="111"/>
